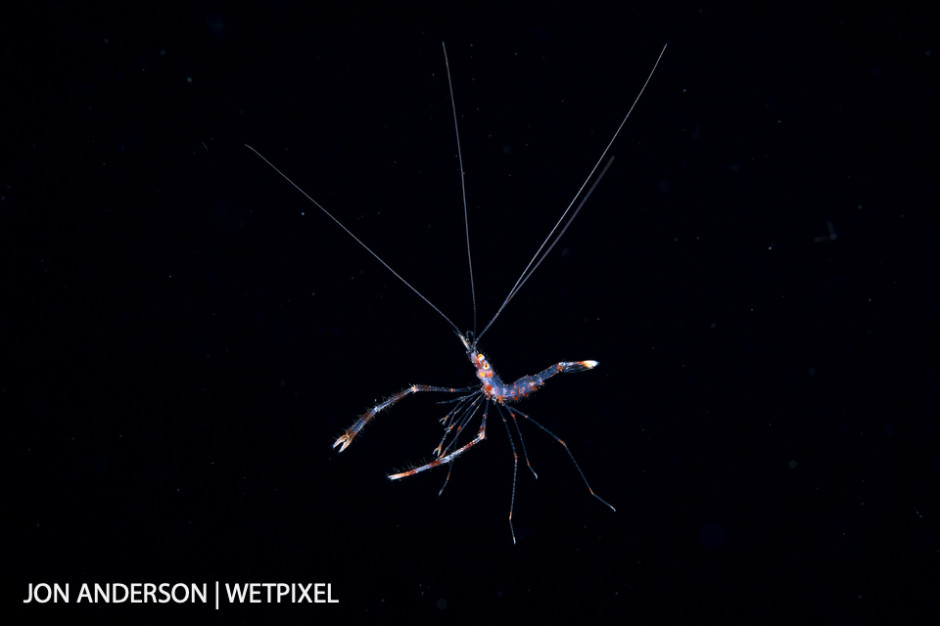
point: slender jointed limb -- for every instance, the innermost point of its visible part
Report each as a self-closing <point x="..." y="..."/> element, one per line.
<point x="570" y="455"/>
<point x="346" y="438"/>
<point x="456" y="420"/>
<point x="447" y="458"/>
<point x="454" y="423"/>
<point x="525" y="455"/>
<point x="515" y="470"/>
<point x="450" y="468"/>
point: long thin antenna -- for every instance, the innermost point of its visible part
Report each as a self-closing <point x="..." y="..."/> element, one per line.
<point x="463" y="186"/>
<point x="359" y="241"/>
<point x="530" y="269"/>
<point x="564" y="221"/>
